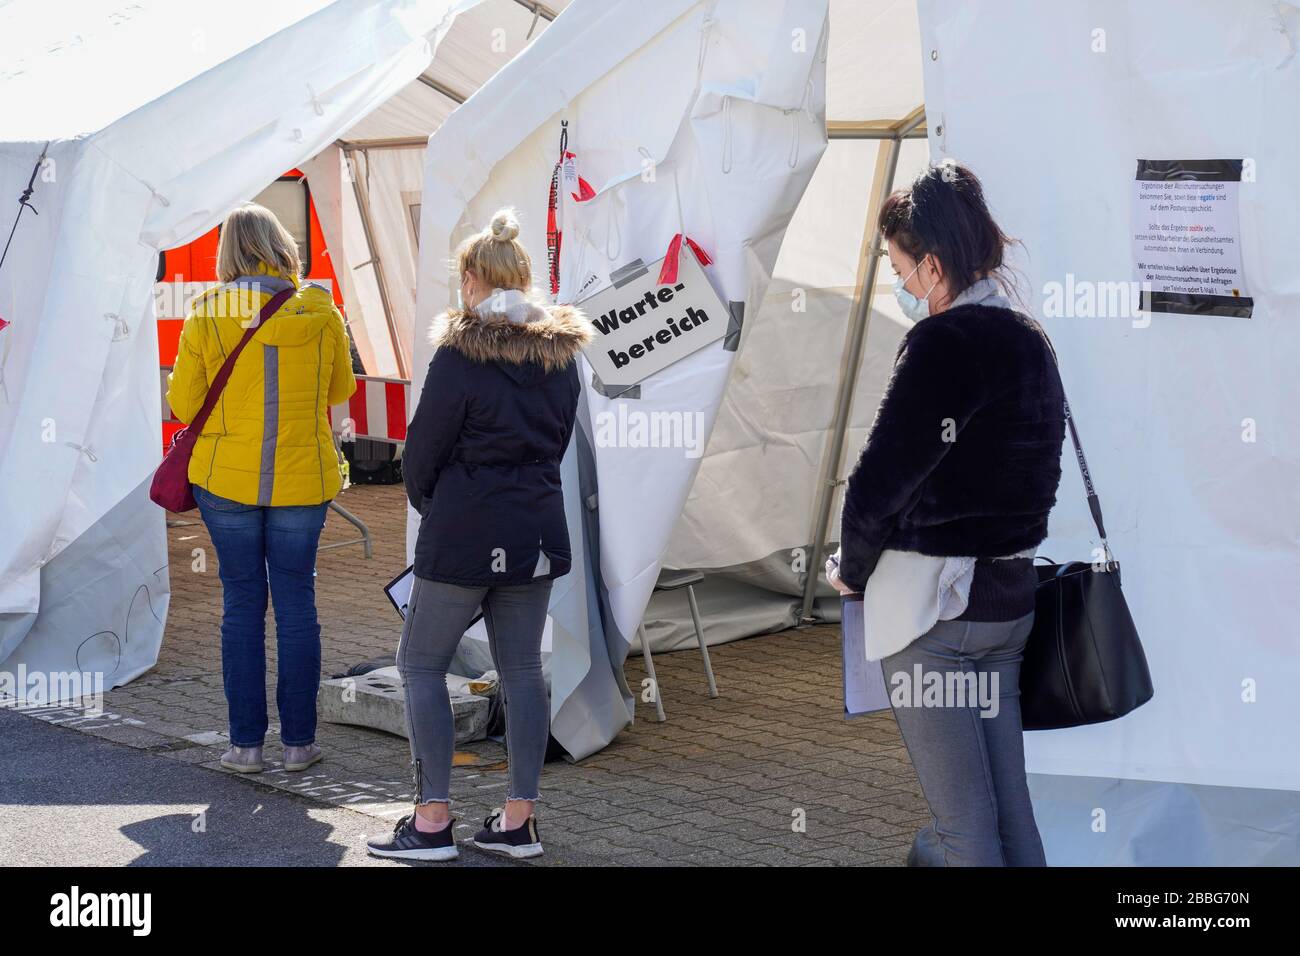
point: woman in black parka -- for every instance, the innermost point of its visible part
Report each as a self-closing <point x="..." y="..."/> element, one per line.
<point x="482" y="467"/>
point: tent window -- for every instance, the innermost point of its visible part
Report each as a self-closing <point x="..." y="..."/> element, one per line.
<point x="289" y="199"/>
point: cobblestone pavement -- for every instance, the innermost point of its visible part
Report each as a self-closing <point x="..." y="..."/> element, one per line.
<point x="767" y="774"/>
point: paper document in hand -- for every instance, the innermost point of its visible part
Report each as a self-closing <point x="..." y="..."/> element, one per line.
<point x="864" y="680"/>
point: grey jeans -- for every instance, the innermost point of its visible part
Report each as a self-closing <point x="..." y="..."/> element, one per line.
<point x="966" y="742"/>
<point x="437" y="616"/>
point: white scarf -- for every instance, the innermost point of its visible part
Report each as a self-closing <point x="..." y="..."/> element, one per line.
<point x="514" y="304"/>
<point x="982" y="292"/>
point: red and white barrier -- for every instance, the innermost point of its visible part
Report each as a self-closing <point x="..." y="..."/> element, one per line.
<point x="376" y="410"/>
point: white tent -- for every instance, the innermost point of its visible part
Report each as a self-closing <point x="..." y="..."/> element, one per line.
<point x="1202" y="517"/>
<point x="139" y="160"/>
<point x="367" y="185"/>
<point x="1203" y="522"/>
<point x="1189" y="421"/>
<point x="718" y="146"/>
<point x="792" y="417"/>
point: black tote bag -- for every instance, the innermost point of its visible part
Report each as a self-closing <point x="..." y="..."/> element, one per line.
<point x="1083" y="661"/>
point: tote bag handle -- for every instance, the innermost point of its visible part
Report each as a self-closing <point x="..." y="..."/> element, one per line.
<point x="1094" y="503"/>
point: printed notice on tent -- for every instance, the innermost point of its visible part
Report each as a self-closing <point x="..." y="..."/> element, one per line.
<point x="643" y="327"/>
<point x="1187" y="237"/>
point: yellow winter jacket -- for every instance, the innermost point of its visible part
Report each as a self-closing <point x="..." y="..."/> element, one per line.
<point x="267" y="441"/>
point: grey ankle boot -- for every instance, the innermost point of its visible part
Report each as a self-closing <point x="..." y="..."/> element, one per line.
<point x="243" y="759"/>
<point x="300" y="758"/>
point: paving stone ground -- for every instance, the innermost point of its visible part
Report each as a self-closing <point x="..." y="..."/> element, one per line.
<point x="767" y="774"/>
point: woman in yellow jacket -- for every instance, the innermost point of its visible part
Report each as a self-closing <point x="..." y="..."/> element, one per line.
<point x="263" y="471"/>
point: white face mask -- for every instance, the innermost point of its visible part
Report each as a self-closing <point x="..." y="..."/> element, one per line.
<point x="914" y="308"/>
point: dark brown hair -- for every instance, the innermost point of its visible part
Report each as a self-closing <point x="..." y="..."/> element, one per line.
<point x="943" y="214"/>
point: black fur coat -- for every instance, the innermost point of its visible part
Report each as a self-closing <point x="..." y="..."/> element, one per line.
<point x="964" y="456"/>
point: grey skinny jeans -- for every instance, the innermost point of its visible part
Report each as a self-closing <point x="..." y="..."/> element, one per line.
<point x="437" y="616"/>
<point x="971" y="766"/>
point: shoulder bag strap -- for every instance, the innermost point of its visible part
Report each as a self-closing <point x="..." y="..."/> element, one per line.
<point x="1094" y="503"/>
<point x="223" y="374"/>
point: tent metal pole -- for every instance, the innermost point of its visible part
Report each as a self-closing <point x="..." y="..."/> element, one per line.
<point x="394" y="142"/>
<point x="455" y="96"/>
<point x="538" y="9"/>
<point x="367" y="227"/>
<point x="855" y="343"/>
<point x="871" y="129"/>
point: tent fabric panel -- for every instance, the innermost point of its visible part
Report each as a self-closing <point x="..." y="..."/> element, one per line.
<point x="764" y="454"/>
<point x="699" y="130"/>
<point x="156" y="178"/>
<point x="414" y="112"/>
<point x="1205" y="524"/>
<point x="1152" y="823"/>
<point x="393" y="188"/>
<point x="54" y="53"/>
<point x="874" y="65"/>
<point x="330" y="186"/>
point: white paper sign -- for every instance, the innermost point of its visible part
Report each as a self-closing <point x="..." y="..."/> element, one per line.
<point x="642" y="326"/>
<point x="1187" y="237"/>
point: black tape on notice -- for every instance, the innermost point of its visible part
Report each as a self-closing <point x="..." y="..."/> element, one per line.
<point x="1201" y="170"/>
<point x="1186" y="303"/>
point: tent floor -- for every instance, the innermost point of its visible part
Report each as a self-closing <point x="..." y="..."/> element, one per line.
<point x="723" y="781"/>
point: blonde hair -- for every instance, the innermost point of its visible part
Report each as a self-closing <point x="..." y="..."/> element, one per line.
<point x="250" y="236"/>
<point x="496" y="256"/>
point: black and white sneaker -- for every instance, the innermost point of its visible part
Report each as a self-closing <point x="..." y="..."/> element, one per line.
<point x="408" y="843"/>
<point x="521" y="842"/>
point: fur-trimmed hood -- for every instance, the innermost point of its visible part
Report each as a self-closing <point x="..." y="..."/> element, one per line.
<point x="483" y="450"/>
<point x="551" y="336"/>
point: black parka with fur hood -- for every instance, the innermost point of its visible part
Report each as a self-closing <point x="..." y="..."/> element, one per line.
<point x="482" y="457"/>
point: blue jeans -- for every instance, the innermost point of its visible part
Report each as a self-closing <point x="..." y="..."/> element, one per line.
<point x="967" y="743"/>
<point x="256" y="546"/>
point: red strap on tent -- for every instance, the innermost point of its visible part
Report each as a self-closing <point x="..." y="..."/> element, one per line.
<point x="668" y="272"/>
<point x="4" y="323"/>
<point x="552" y="214"/>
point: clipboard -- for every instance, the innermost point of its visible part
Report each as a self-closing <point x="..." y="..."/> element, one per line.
<point x="399" y="594"/>
<point x="864" y="680"/>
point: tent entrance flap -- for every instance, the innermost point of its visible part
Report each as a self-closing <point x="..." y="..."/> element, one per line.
<point x="893" y="134"/>
<point x="361" y="192"/>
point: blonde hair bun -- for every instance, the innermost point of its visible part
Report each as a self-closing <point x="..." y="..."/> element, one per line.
<point x="496" y="256"/>
<point x="505" y="225"/>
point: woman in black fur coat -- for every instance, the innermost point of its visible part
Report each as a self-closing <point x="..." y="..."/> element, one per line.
<point x="942" y="516"/>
